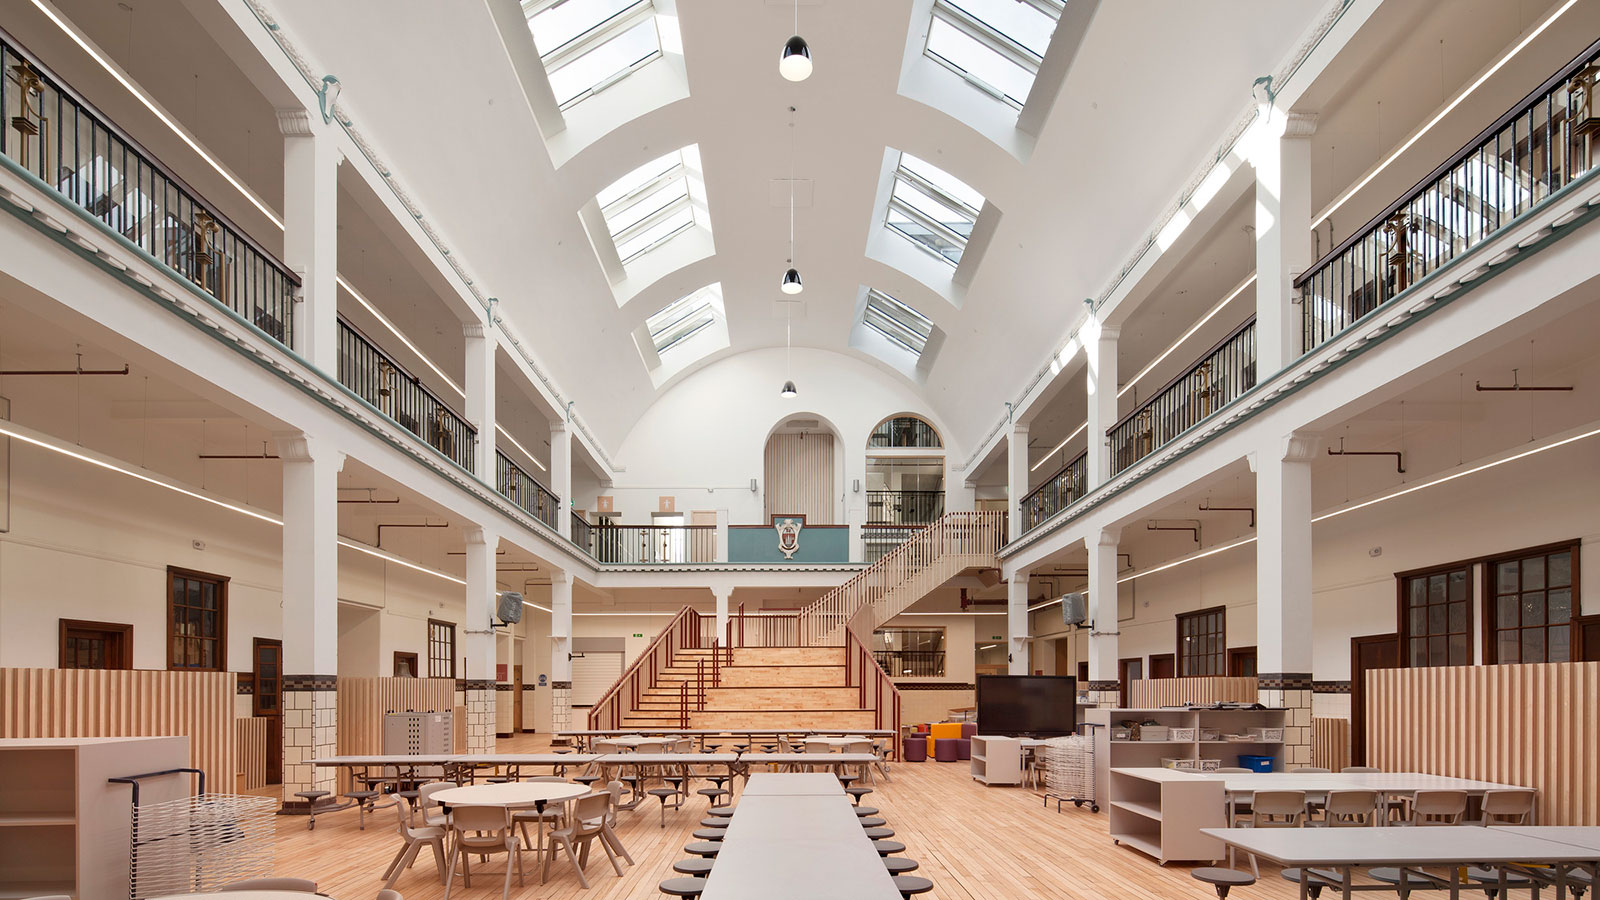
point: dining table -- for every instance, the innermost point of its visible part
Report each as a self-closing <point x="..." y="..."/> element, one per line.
<point x="512" y="795"/>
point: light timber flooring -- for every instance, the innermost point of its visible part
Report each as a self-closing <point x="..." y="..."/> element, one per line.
<point x="975" y="843"/>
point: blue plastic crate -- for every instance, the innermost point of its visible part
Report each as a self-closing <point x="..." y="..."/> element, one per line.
<point x="1256" y="763"/>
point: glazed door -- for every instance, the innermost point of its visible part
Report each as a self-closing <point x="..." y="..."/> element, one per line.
<point x="268" y="701"/>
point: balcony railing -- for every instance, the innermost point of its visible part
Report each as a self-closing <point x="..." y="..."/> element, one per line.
<point x="516" y="485"/>
<point x="654" y="543"/>
<point x="877" y="541"/>
<point x="1064" y="487"/>
<point x="382" y="382"/>
<point x="911" y="663"/>
<point x="904" y="507"/>
<point x="1220" y="376"/>
<point x="52" y="132"/>
<point x="1528" y="154"/>
<point x="582" y="533"/>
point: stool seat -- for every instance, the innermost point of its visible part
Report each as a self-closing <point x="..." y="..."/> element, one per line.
<point x="586" y="779"/>
<point x="1317" y="880"/>
<point x="899" y="865"/>
<point x="713" y="822"/>
<point x="912" y="884"/>
<point x="721" y="811"/>
<point x="313" y="796"/>
<point x="848" y="780"/>
<point x="885" y="848"/>
<point x="361" y="795"/>
<point x="710" y="834"/>
<point x="683" y="887"/>
<point x="1391" y="875"/>
<point x="871" y="821"/>
<point x="697" y="866"/>
<point x="707" y="849"/>
<point x="1223" y="879"/>
<point x="879" y="834"/>
<point x="866" y="810"/>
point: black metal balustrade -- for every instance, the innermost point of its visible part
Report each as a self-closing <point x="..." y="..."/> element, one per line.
<point x="53" y="133"/>
<point x="1065" y="487"/>
<point x="515" y="484"/>
<point x="877" y="541"/>
<point x="382" y="382"/>
<point x="911" y="663"/>
<point x="904" y="507"/>
<point x="582" y="533"/>
<point x="653" y="543"/>
<point x="1219" y="377"/>
<point x="1510" y="168"/>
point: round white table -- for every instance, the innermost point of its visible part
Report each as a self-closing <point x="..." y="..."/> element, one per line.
<point x="244" y="895"/>
<point x="633" y="742"/>
<point x="512" y="795"/>
<point x="834" y="743"/>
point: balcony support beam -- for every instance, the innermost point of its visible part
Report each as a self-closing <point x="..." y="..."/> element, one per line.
<point x="1282" y="158"/>
<point x="311" y="160"/>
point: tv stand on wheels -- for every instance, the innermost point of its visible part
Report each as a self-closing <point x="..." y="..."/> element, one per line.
<point x="996" y="760"/>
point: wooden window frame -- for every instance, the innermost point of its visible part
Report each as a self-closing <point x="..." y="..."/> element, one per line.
<point x="1221" y="655"/>
<point x="1402" y="625"/>
<point x="222" y="618"/>
<point x="416" y="664"/>
<point x="1486" y="609"/>
<point x="123" y="629"/>
<point x="1234" y="654"/>
<point x="452" y="626"/>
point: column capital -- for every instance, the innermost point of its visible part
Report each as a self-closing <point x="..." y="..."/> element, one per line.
<point x="297" y="446"/>
<point x="295" y="122"/>
<point x="475" y="330"/>
<point x="1109" y="333"/>
<point x="477" y="534"/>
<point x="1300" y="446"/>
<point x="1019" y="427"/>
<point x="1106" y="537"/>
<point x="1300" y="125"/>
<point x="559" y="577"/>
<point x="558" y="426"/>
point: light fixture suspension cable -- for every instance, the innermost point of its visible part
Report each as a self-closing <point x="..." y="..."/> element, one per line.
<point x="791" y="164"/>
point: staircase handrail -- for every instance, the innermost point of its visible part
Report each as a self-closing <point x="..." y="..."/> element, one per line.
<point x="611" y="701"/>
<point x="877" y="690"/>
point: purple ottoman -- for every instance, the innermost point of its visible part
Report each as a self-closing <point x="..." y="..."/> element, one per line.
<point x="968" y="729"/>
<point x="915" y="749"/>
<point x="963" y="748"/>
<point x="944" y="749"/>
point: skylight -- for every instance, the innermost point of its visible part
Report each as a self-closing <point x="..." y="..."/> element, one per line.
<point x="996" y="45"/>
<point x="932" y="207"/>
<point x="651" y="204"/>
<point x="685" y="317"/>
<point x="589" y="45"/>
<point x="896" y="321"/>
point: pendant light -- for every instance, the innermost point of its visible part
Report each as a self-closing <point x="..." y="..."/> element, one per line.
<point x="795" y="63"/>
<point x="791" y="283"/>
<point x="788" y="390"/>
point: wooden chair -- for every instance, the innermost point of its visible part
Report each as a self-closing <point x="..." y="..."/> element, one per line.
<point x="483" y="831"/>
<point x="413" y="838"/>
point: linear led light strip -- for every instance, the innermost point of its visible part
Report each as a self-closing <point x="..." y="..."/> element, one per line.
<point x="1444" y="112"/>
<point x="156" y="110"/>
<point x="1153" y="363"/>
<point x="1411" y="489"/>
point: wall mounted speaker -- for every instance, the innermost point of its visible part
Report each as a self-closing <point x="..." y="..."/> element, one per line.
<point x="510" y="609"/>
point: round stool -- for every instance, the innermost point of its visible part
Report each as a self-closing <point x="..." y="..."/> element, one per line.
<point x="664" y="794"/>
<point x="1223" y="879"/>
<point x="311" y="798"/>
<point x="879" y="834"/>
<point x="363" y="801"/>
<point x="714" y="795"/>
<point x="683" y="887"/>
<point x="1315" y="883"/>
<point x="724" y="812"/>
<point x="707" y="849"/>
<point x="713" y="822"/>
<point x="586" y="779"/>
<point x="899" y="865"/>
<point x="871" y="821"/>
<point x="848" y="780"/>
<point x="866" y="810"/>
<point x="697" y="866"/>
<point x="857" y="793"/>
<point x="885" y="848"/>
<point x="911" y="884"/>
<point x="710" y="834"/>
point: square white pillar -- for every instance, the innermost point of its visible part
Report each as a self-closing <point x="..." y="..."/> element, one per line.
<point x="480" y="347"/>
<point x="1104" y="687"/>
<point x="722" y="593"/>
<point x="1100" y="354"/>
<point x="1284" y="621"/>
<point x="561" y="652"/>
<point x="1017" y="478"/>
<point x="561" y="476"/>
<point x="478" y="638"/>
<point x="310" y="232"/>
<point x="1282" y="159"/>
<point x="1017" y="624"/>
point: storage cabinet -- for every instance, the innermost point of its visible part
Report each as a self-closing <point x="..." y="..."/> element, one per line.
<point x="997" y="760"/>
<point x="1111" y="754"/>
<point x="1161" y="812"/>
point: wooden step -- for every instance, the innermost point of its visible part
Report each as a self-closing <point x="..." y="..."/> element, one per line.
<point x="788" y="656"/>
<point x="787" y="697"/>
<point x="782" y="718"/>
<point x="779" y="676"/>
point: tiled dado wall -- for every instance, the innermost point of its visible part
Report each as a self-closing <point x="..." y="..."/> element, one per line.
<point x="1104" y="693"/>
<point x="481" y="715"/>
<point x="310" y="730"/>
<point x="561" y="718"/>
<point x="1291" y="692"/>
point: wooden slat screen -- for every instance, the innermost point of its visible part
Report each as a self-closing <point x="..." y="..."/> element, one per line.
<point x="800" y="478"/>
<point x="1534" y="725"/>
<point x="363" y="702"/>
<point x="48" y="703"/>
<point x="252" y="747"/>
<point x="1330" y="742"/>
<point x="1152" y="693"/>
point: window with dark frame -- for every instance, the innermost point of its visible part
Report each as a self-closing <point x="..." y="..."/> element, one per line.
<point x="197" y="621"/>
<point x="441" y="649"/>
<point x="1202" y="642"/>
<point x="1529" y="598"/>
<point x="95" y="645"/>
<point x="1436" y="617"/>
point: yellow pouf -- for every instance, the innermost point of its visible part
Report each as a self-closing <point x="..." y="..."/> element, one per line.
<point x="942" y="730"/>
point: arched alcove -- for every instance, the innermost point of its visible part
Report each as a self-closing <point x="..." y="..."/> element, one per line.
<point x="803" y="466"/>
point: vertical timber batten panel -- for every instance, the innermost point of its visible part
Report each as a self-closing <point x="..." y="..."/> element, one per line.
<point x="1153" y="693"/>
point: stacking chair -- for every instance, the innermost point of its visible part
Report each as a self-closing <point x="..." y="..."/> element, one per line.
<point x="1342" y="809"/>
<point x="614" y="791"/>
<point x="865" y="771"/>
<point x="413" y="837"/>
<point x="1508" y="807"/>
<point x="551" y="815"/>
<point x="1276" y="809"/>
<point x="821" y="748"/>
<point x="303" y="885"/>
<point x="432" y="811"/>
<point x="481" y="831"/>
<point x="1427" y="808"/>
<point x="588" y="821"/>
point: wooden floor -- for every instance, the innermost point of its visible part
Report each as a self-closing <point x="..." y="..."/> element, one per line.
<point x="975" y="843"/>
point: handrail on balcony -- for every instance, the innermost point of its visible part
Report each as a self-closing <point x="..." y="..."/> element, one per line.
<point x="521" y="488"/>
<point x="582" y="533"/>
<point x="58" y="136"/>
<point x="650" y="544"/>
<point x="381" y="381"/>
<point x="904" y="507"/>
<point x="1065" y="487"/>
<point x="1527" y="154"/>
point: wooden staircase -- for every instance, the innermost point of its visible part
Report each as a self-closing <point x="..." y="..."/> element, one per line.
<point x="763" y="687"/>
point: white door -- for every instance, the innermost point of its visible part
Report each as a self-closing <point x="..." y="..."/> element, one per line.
<point x="593" y="673"/>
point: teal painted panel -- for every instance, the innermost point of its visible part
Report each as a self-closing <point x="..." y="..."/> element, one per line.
<point x="817" y="545"/>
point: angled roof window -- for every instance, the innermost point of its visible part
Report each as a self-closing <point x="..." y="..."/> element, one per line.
<point x="589" y="45"/>
<point x="933" y="208"/>
<point x="654" y="202"/>
<point x="996" y="45"/>
<point x="685" y="317"/>
<point x="902" y="325"/>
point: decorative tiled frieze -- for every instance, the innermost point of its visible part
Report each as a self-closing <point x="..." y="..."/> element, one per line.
<point x="310" y="683"/>
<point x="561" y="685"/>
<point x="503" y="685"/>
<point x="478" y="684"/>
<point x="1284" y="681"/>
<point x="1330" y="687"/>
<point x="935" y="686"/>
<point x="246" y="686"/>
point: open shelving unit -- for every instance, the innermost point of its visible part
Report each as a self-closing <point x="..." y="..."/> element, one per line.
<point x="1110" y="754"/>
<point x="1160" y="812"/>
<point x="996" y="760"/>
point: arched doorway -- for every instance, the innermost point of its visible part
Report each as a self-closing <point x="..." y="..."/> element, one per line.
<point x="905" y="482"/>
<point x="802" y="466"/>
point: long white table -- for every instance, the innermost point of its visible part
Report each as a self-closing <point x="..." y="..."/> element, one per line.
<point x="797" y="847"/>
<point x="798" y="784"/>
<point x="1447" y="848"/>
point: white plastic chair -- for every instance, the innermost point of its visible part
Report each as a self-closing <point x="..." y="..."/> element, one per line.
<point x="588" y="821"/>
<point x="482" y="831"/>
<point x="413" y="838"/>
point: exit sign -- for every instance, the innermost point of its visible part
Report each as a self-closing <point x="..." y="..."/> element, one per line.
<point x="637" y="634"/>
<point x="998" y="637"/>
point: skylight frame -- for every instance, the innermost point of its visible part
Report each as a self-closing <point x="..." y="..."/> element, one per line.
<point x="669" y="177"/>
<point x="941" y="194"/>
<point x="593" y="39"/>
<point x="674" y="324"/>
<point x="1004" y="46"/>
<point x="897" y="322"/>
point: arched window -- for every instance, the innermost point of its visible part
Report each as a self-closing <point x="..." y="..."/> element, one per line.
<point x="904" y="431"/>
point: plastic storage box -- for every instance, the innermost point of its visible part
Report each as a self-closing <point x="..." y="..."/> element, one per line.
<point x="1181" y="734"/>
<point x="1256" y="763"/>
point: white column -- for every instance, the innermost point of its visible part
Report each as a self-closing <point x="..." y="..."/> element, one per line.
<point x="1017" y="624"/>
<point x="310" y="610"/>
<point x="310" y="232"/>
<point x="1103" y="685"/>
<point x="722" y="593"/>
<point x="857" y="522"/>
<point x="1017" y="477"/>
<point x="1101" y="377"/>
<point x="561" y="475"/>
<point x="722" y="535"/>
<point x="1282" y="159"/>
<point x="1283" y="586"/>
<point x="478" y="639"/>
<point x="561" y="653"/>
<point x="480" y="398"/>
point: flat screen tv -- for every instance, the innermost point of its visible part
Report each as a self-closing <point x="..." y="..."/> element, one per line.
<point x="1027" y="705"/>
